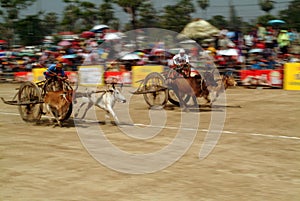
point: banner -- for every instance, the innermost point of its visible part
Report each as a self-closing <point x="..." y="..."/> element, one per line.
<point x="269" y="78"/>
<point x="120" y="76"/>
<point x="23" y="76"/>
<point x="140" y="72"/>
<point x="72" y="76"/>
<point x="292" y="76"/>
<point x="91" y="75"/>
<point x="38" y="74"/>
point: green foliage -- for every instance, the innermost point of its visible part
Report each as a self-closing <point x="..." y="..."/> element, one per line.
<point x="203" y="4"/>
<point x="106" y="13"/>
<point x="50" y="23"/>
<point x="147" y="16"/>
<point x="218" y="21"/>
<point x="263" y="20"/>
<point x="131" y="7"/>
<point x="234" y="20"/>
<point x="79" y="15"/>
<point x="292" y="15"/>
<point x="266" y="5"/>
<point x="30" y="30"/>
<point x="176" y="17"/>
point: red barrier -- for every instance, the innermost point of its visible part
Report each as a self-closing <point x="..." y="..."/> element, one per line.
<point x="271" y="78"/>
<point x="120" y="76"/>
<point x="23" y="76"/>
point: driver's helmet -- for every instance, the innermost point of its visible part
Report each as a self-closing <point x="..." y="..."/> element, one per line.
<point x="181" y="51"/>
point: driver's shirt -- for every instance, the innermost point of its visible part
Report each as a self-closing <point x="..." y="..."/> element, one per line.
<point x="178" y="59"/>
<point x="53" y="69"/>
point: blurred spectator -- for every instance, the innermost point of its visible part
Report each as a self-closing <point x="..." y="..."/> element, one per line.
<point x="269" y="40"/>
<point x="270" y="62"/>
<point x="261" y="31"/>
<point x="283" y="41"/>
<point x="257" y="64"/>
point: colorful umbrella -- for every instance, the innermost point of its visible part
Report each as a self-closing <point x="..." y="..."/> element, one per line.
<point x="276" y="22"/>
<point x="130" y="57"/>
<point x="99" y="28"/>
<point x="87" y="34"/>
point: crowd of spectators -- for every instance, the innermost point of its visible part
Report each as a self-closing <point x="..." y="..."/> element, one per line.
<point x="262" y="48"/>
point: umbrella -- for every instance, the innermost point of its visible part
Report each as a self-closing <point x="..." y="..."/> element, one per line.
<point x="87" y="34"/>
<point x="276" y="22"/>
<point x="100" y="27"/>
<point x="256" y="50"/>
<point x="64" y="43"/>
<point x="2" y="42"/>
<point x="69" y="56"/>
<point x="188" y="42"/>
<point x="130" y="56"/>
<point x="228" y="52"/>
<point x="112" y="36"/>
<point x="199" y="29"/>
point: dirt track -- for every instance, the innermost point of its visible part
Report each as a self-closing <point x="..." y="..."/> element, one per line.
<point x="256" y="158"/>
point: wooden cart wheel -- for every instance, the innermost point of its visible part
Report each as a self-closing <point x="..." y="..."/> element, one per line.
<point x="174" y="100"/>
<point x="157" y="93"/>
<point x="30" y="102"/>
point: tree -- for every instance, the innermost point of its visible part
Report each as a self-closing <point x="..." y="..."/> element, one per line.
<point x="177" y="16"/>
<point x="50" y="22"/>
<point x="30" y="30"/>
<point x="70" y="16"/>
<point x="218" y="21"/>
<point x="292" y="15"/>
<point x="106" y="13"/>
<point x="10" y="15"/>
<point x="131" y="7"/>
<point x="148" y="16"/>
<point x="263" y="20"/>
<point x="87" y="15"/>
<point x="266" y="5"/>
<point x="13" y="7"/>
<point x="203" y="4"/>
<point x="234" y="20"/>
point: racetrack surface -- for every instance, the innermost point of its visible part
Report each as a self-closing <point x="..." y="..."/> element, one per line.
<point x="256" y="157"/>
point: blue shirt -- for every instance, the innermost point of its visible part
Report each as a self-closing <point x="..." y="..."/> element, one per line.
<point x="53" y="69"/>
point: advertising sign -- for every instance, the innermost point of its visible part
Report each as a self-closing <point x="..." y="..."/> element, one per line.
<point x="121" y="76"/>
<point x="270" y="78"/>
<point x="38" y="74"/>
<point x="292" y="76"/>
<point x="140" y="72"/>
<point x="91" y="75"/>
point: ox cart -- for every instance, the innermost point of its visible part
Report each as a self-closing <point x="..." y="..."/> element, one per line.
<point x="157" y="91"/>
<point x="30" y="98"/>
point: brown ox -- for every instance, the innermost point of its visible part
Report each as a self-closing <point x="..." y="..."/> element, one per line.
<point x="223" y="83"/>
<point x="197" y="86"/>
<point x="58" y="104"/>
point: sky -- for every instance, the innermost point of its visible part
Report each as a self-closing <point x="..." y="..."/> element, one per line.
<point x="247" y="9"/>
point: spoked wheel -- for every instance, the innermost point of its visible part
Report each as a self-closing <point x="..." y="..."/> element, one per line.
<point x="157" y="93"/>
<point x="30" y="102"/>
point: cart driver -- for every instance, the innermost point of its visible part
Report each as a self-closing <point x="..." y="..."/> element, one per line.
<point x="181" y="60"/>
<point x="55" y="71"/>
<point x="55" y="75"/>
